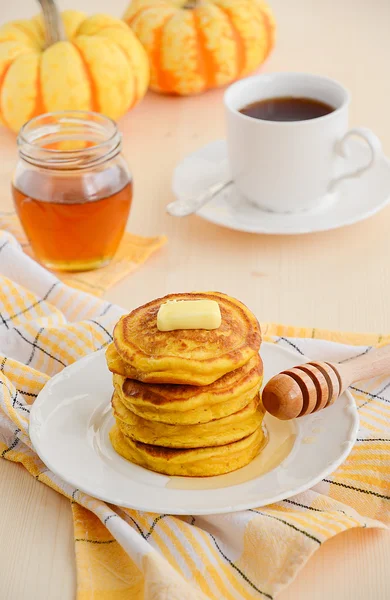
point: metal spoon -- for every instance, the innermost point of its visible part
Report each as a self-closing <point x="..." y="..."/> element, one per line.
<point x="183" y="208"/>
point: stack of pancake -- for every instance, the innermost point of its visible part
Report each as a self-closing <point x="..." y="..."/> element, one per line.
<point x="187" y="402"/>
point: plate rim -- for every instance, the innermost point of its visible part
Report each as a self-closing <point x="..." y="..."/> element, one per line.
<point x="35" y="424"/>
<point x="203" y="212"/>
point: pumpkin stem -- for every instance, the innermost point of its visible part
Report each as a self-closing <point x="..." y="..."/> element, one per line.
<point x="54" y="26"/>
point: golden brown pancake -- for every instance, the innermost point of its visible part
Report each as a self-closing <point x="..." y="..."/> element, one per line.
<point x="188" y="404"/>
<point x="188" y="356"/>
<point x="214" y="433"/>
<point x="198" y="462"/>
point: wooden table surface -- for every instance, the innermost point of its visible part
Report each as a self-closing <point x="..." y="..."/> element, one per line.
<point x="337" y="280"/>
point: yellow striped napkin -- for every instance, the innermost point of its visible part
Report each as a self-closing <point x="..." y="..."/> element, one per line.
<point x="124" y="554"/>
<point x="132" y="252"/>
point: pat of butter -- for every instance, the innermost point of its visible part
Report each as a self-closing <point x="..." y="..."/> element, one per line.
<point x="188" y="314"/>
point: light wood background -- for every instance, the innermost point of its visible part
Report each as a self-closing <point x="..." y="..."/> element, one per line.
<point x="337" y="280"/>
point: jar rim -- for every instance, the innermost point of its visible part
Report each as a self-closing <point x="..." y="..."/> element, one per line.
<point x="93" y="126"/>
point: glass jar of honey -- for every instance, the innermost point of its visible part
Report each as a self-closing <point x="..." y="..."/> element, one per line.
<point x="72" y="189"/>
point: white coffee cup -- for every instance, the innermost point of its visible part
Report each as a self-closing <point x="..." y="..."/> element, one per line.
<point x="289" y="166"/>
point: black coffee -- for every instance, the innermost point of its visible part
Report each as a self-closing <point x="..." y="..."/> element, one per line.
<point x="287" y="108"/>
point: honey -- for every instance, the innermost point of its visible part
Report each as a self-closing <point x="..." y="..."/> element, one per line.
<point x="72" y="189"/>
<point x="76" y="236"/>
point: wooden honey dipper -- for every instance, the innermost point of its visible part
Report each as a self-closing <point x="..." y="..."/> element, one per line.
<point x="313" y="386"/>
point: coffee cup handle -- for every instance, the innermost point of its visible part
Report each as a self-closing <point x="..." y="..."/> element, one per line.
<point x="342" y="148"/>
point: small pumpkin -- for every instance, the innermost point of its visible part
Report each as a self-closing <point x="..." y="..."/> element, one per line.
<point x="51" y="63"/>
<point x="194" y="45"/>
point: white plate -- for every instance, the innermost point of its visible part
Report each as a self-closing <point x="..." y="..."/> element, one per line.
<point x="356" y="199"/>
<point x="71" y="418"/>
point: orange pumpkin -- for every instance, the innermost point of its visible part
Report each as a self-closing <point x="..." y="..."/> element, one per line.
<point x="74" y="62"/>
<point x="194" y="45"/>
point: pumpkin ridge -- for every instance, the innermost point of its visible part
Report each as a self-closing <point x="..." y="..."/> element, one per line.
<point x="110" y="26"/>
<point x="240" y="47"/>
<point x="206" y="62"/>
<point x="129" y="20"/>
<point x="135" y="97"/>
<point x="23" y="50"/>
<point x="88" y="74"/>
<point x="132" y="57"/>
<point x="166" y="81"/>
<point x="2" y="78"/>
<point x="25" y="72"/>
<point x="76" y="32"/>
<point x="32" y="39"/>
<point x="68" y="17"/>
<point x="39" y="107"/>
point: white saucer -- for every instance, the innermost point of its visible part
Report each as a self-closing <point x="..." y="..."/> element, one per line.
<point x="355" y="200"/>
<point x="71" y="418"/>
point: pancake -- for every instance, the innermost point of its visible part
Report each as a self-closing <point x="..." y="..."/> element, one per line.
<point x="187" y="404"/>
<point x="214" y="433"/>
<point x="198" y="462"/>
<point x="185" y="356"/>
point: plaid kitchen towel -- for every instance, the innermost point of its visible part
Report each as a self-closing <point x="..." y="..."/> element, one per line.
<point x="122" y="553"/>
<point x="133" y="251"/>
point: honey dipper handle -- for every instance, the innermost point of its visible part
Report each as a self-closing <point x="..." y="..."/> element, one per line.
<point x="372" y="364"/>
